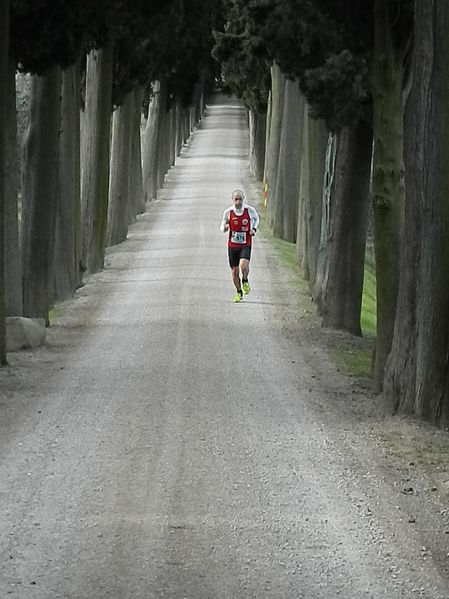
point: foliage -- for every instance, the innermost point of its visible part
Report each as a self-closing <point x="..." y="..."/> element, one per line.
<point x="337" y="90"/>
<point x="145" y="49"/>
<point x="245" y="70"/>
<point x="152" y="39"/>
<point x="64" y="31"/>
<point x="325" y="44"/>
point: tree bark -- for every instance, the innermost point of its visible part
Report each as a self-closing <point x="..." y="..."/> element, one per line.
<point x="267" y="139"/>
<point x="349" y="217"/>
<point x="119" y="187"/>
<point x="4" y="43"/>
<point x="277" y="107"/>
<point x="137" y="195"/>
<point x="163" y="141"/>
<point x="67" y="238"/>
<point x="39" y="194"/>
<point x="13" y="266"/>
<point x="257" y="135"/>
<point x="313" y="161"/>
<point x="285" y="225"/>
<point x="172" y="117"/>
<point x="150" y="154"/>
<point x="322" y="263"/>
<point x="387" y="184"/>
<point x="417" y="372"/>
<point x="179" y="127"/>
<point x="95" y="168"/>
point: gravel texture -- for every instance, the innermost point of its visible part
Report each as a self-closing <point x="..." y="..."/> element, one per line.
<point x="168" y="443"/>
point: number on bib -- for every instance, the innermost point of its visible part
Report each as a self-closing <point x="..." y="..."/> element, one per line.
<point x="238" y="237"/>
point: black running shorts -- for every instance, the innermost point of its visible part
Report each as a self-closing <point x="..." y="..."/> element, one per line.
<point x="235" y="254"/>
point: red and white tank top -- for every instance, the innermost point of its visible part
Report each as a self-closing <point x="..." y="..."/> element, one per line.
<point x="239" y="229"/>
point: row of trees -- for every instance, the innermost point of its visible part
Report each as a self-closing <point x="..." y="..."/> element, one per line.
<point x="353" y="98"/>
<point x="93" y="68"/>
<point x="348" y="104"/>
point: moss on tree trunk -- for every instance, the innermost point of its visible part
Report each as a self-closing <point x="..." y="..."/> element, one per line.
<point x="387" y="185"/>
<point x="417" y="372"/>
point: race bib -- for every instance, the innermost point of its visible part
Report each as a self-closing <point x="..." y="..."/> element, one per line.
<point x="238" y="237"/>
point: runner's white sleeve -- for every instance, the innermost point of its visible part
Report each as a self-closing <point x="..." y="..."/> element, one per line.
<point x="254" y="217"/>
<point x="224" y="220"/>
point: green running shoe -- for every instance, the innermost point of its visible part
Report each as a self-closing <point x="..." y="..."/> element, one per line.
<point x="246" y="288"/>
<point x="238" y="296"/>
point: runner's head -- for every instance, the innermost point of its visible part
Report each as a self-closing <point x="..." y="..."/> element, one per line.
<point x="238" y="197"/>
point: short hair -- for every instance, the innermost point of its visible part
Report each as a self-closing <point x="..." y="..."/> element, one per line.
<point x="241" y="192"/>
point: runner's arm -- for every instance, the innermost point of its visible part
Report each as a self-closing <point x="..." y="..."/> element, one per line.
<point x="224" y="221"/>
<point x="254" y="218"/>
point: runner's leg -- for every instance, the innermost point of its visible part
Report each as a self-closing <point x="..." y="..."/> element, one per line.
<point x="236" y="277"/>
<point x="244" y="267"/>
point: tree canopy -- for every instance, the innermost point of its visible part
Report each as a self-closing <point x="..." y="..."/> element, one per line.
<point x="326" y="45"/>
<point x="245" y="68"/>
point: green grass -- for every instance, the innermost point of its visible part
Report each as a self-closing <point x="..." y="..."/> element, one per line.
<point x="368" y="316"/>
<point x="285" y="250"/>
<point x="434" y="451"/>
<point x="55" y="312"/>
<point x="354" y="359"/>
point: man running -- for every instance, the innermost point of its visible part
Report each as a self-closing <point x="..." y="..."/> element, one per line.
<point x="241" y="220"/>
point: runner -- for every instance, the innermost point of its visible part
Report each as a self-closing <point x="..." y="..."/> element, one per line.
<point x="241" y="220"/>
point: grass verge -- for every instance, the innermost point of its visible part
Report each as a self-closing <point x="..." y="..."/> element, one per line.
<point x="352" y="356"/>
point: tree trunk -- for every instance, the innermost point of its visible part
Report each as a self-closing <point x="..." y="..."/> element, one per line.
<point x="67" y="237"/>
<point x="302" y="232"/>
<point x="187" y="130"/>
<point x="388" y="188"/>
<point x="150" y="154"/>
<point x="277" y="108"/>
<point x="322" y="263"/>
<point x="163" y="141"/>
<point x="417" y="373"/>
<point x="313" y="161"/>
<point x="257" y="135"/>
<point x="95" y="175"/>
<point x="285" y="225"/>
<point x="119" y="187"/>
<point x="267" y="138"/>
<point x="172" y="157"/>
<point x="39" y="194"/>
<point x="179" y="127"/>
<point x="136" y="184"/>
<point x="349" y="217"/>
<point x="4" y="43"/>
<point x="13" y="268"/>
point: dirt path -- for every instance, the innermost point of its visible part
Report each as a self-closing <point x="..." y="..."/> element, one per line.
<point x="168" y="443"/>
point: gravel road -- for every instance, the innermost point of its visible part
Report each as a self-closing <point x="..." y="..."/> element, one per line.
<point x="168" y="443"/>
